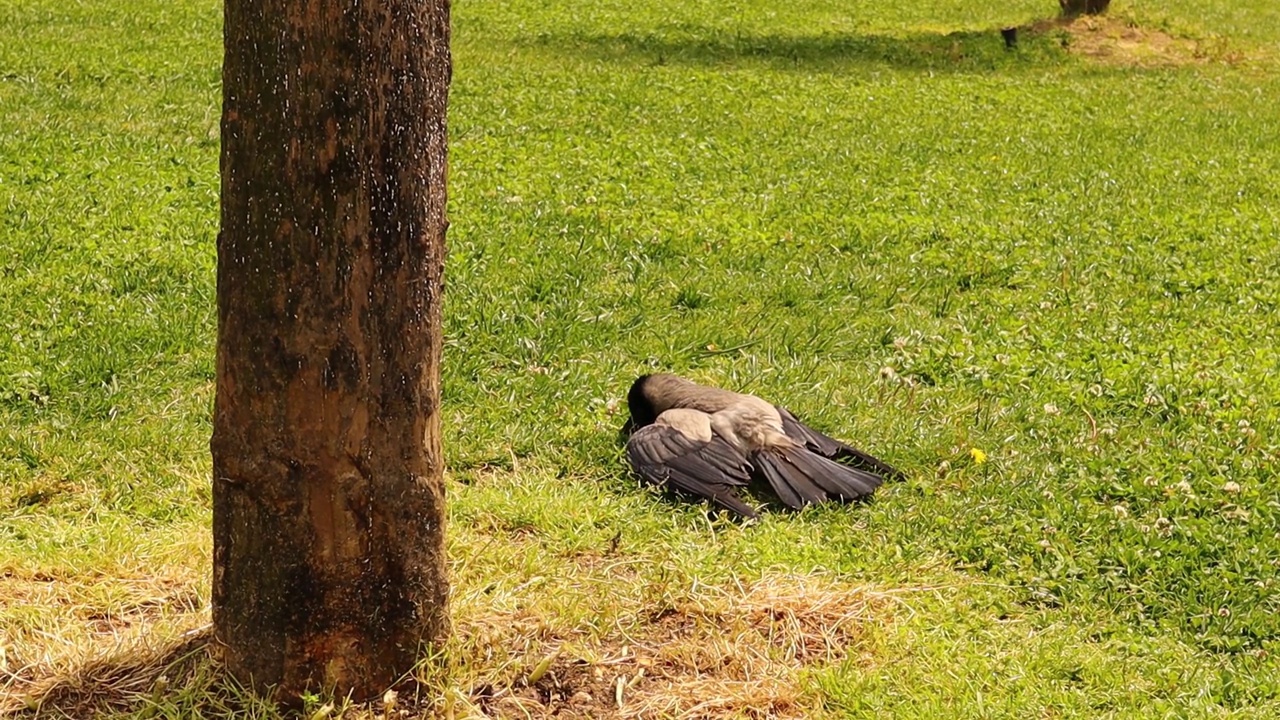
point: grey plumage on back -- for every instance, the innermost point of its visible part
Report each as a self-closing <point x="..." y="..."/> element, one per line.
<point x="708" y="441"/>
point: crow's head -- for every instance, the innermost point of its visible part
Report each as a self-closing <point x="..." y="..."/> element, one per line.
<point x="641" y="404"/>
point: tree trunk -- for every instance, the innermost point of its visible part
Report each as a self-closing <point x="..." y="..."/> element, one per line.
<point x="1072" y="8"/>
<point x="328" y="500"/>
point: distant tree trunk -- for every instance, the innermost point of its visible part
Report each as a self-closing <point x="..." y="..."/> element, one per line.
<point x="328" y="501"/>
<point x="1072" y="8"/>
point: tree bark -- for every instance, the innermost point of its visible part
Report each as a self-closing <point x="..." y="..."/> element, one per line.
<point x="1072" y="8"/>
<point x="328" y="499"/>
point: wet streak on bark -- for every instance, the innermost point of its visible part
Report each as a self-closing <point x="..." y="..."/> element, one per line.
<point x="328" y="500"/>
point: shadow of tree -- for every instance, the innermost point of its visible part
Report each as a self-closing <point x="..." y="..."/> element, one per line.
<point x="969" y="51"/>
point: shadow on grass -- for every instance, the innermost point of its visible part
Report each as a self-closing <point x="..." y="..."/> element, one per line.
<point x="972" y="51"/>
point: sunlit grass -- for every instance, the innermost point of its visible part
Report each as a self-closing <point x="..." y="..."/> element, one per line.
<point x="917" y="240"/>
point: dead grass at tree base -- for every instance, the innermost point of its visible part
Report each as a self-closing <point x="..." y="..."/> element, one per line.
<point x="65" y="637"/>
<point x="717" y="652"/>
<point x="118" y="681"/>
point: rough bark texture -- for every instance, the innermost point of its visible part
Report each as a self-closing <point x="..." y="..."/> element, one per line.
<point x="1072" y="8"/>
<point x="328" y="501"/>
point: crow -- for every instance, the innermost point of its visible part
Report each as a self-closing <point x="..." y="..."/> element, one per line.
<point x="709" y="442"/>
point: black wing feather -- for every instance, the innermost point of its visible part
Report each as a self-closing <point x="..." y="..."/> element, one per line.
<point x="663" y="455"/>
<point x="799" y="477"/>
<point x="833" y="449"/>
<point x="841" y="482"/>
<point x="792" y="488"/>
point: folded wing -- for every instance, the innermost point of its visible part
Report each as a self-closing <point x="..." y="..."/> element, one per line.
<point x="833" y="449"/>
<point x="800" y="477"/>
<point x="710" y="469"/>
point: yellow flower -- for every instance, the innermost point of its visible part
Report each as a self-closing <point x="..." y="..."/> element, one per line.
<point x="978" y="456"/>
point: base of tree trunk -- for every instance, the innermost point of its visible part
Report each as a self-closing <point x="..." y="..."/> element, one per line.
<point x="1073" y="8"/>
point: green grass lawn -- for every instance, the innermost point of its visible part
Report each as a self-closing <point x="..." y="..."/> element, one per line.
<point x="1066" y="257"/>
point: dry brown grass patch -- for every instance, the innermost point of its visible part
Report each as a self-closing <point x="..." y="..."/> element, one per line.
<point x="716" y="652"/>
<point x="596" y="631"/>
<point x="58" y="621"/>
<point x="708" y="652"/>
<point x="53" y="628"/>
<point x="117" y="681"/>
<point x="1112" y="40"/>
